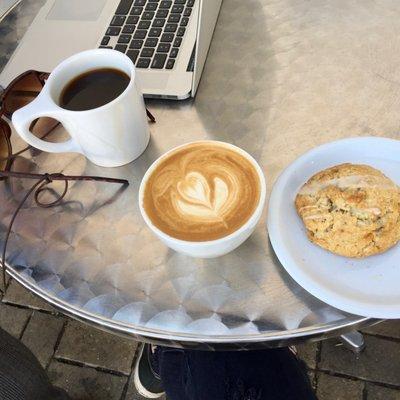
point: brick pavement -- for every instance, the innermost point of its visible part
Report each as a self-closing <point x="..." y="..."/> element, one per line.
<point x="77" y="359"/>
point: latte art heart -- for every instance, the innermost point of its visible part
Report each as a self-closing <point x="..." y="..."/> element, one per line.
<point x="194" y="197"/>
<point x="195" y="189"/>
<point x="202" y="192"/>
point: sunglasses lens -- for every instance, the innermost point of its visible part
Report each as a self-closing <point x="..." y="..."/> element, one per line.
<point x="5" y="149"/>
<point x="40" y="127"/>
<point x="22" y="93"/>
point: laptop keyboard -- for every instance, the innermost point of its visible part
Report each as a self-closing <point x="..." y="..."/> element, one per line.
<point x="149" y="32"/>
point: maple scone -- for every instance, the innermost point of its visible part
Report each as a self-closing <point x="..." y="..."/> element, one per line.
<point x="351" y="210"/>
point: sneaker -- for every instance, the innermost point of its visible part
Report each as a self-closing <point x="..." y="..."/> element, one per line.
<point x="146" y="375"/>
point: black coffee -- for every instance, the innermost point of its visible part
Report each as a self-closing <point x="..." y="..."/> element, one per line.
<point x="93" y="89"/>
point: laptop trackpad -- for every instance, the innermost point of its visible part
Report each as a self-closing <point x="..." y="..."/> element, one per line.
<point x="86" y="10"/>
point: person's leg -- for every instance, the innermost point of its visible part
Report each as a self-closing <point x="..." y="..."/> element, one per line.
<point x="21" y="375"/>
<point x="274" y="374"/>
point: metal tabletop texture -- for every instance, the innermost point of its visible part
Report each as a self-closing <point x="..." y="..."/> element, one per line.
<point x="282" y="77"/>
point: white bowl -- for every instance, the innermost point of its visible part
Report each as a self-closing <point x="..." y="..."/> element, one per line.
<point x="211" y="248"/>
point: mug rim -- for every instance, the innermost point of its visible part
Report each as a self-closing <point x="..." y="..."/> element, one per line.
<point x="66" y="63"/>
<point x="254" y="216"/>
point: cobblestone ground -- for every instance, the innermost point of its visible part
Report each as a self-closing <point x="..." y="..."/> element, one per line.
<point x="77" y="359"/>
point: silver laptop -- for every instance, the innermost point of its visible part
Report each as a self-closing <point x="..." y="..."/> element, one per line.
<point x="168" y="40"/>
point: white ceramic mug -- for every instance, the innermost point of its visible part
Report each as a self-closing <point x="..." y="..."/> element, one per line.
<point x="111" y="135"/>
<point x="211" y="248"/>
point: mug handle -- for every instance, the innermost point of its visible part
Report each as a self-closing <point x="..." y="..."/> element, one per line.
<point x="41" y="107"/>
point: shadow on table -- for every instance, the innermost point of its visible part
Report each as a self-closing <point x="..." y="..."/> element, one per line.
<point x="234" y="95"/>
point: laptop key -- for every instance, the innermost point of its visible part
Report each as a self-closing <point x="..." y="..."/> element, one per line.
<point x="144" y="25"/>
<point x="166" y="4"/>
<point x="151" y="42"/>
<point x="118" y="20"/>
<point x="148" y="15"/>
<point x="121" y="47"/>
<point x="187" y="12"/>
<point x="167" y="37"/>
<point x="124" y="39"/>
<point x="147" y="52"/>
<point x="159" y="61"/>
<point x="158" y="23"/>
<point x="170" y="63"/>
<point x="181" y="31"/>
<point x="151" y="7"/>
<point x="155" y="32"/>
<point x="132" y="20"/>
<point x="184" y="21"/>
<point x="180" y="1"/>
<point x="124" y="7"/>
<point x="136" y="44"/>
<point x="177" y="42"/>
<point x="163" y="48"/>
<point x="177" y="9"/>
<point x="105" y="40"/>
<point x="190" y="3"/>
<point x="136" y="10"/>
<point x="143" y="63"/>
<point x="133" y="55"/>
<point x="154" y="1"/>
<point x="113" y="31"/>
<point x="105" y="47"/>
<point x="140" y="3"/>
<point x="170" y="27"/>
<point x="162" y="14"/>
<point x="128" y="29"/>
<point x="140" y="34"/>
<point x="174" y="52"/>
<point x="174" y="18"/>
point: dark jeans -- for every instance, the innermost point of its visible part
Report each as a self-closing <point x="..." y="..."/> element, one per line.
<point x="186" y="375"/>
<point x="242" y="375"/>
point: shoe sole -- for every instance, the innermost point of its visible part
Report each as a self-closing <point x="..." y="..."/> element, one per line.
<point x="138" y="385"/>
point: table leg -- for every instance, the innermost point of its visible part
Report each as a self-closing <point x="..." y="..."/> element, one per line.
<point x="353" y="341"/>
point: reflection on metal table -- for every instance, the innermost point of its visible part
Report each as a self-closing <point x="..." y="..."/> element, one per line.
<point x="281" y="78"/>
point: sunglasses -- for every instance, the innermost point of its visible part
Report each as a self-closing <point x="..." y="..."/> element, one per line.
<point x="20" y="92"/>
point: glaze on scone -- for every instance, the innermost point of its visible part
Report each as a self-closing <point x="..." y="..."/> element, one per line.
<point x="351" y="210"/>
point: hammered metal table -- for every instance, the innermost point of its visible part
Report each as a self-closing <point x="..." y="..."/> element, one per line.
<point x="282" y="77"/>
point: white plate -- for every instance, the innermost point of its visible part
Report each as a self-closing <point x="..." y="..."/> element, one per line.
<point x="369" y="287"/>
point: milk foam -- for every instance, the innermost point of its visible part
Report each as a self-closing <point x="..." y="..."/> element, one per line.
<point x="203" y="192"/>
